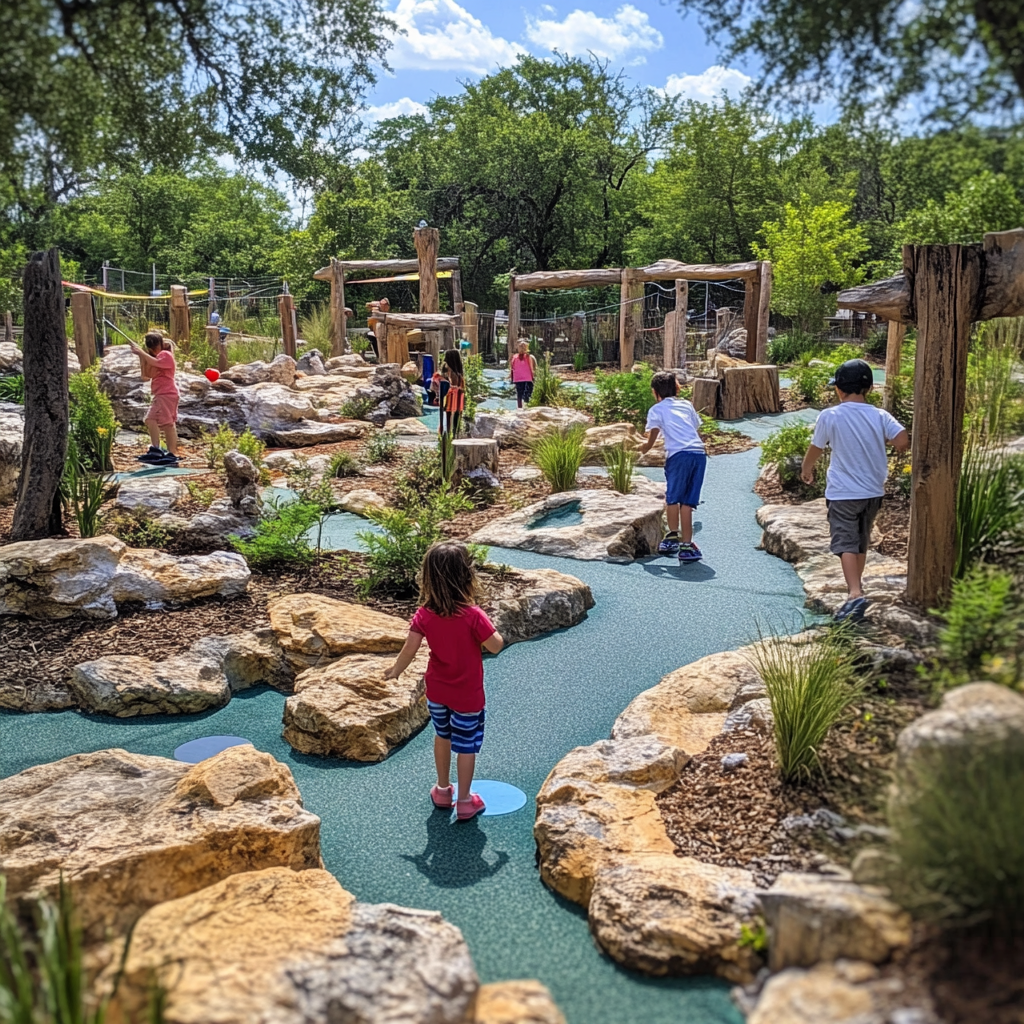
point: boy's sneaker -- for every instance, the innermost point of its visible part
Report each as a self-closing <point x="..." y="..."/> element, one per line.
<point x="669" y="546"/>
<point x="689" y="553"/>
<point x="853" y="610"/>
<point x="153" y="455"/>
<point x="167" y="460"/>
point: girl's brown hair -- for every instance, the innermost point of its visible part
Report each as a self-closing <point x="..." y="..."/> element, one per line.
<point x="154" y="340"/>
<point x="447" y="582"/>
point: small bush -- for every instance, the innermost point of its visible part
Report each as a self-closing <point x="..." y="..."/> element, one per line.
<point x="342" y="464"/>
<point x="785" y="449"/>
<point x="419" y="477"/>
<point x="621" y="461"/>
<point x="93" y="424"/>
<point x="546" y="385"/>
<point x="359" y="343"/>
<point x="989" y="503"/>
<point x="446" y="457"/>
<point x="12" y="389"/>
<point x="82" y="489"/>
<point x="199" y="494"/>
<point x="356" y="408"/>
<point x="559" y="453"/>
<point x="381" y="447"/>
<point x="280" y="537"/>
<point x="811" y="384"/>
<point x="624" y="397"/>
<point x="788" y="347"/>
<point x="136" y="528"/>
<point x="315" y="327"/>
<point x="579" y="360"/>
<point x="810" y="686"/>
<point x="575" y="397"/>
<point x="224" y="440"/>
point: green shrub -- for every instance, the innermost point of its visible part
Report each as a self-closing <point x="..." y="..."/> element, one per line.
<point x="995" y="400"/>
<point x="342" y="464"/>
<point x="359" y="343"/>
<point x="281" y="536"/>
<point x="624" y="397"/>
<point x="446" y="457"/>
<point x="199" y="494"/>
<point x="225" y="440"/>
<point x="811" y="384"/>
<point x="785" y="449"/>
<point x="546" y="385"/>
<point x="809" y="686"/>
<point x="93" y="425"/>
<point x="989" y="503"/>
<point x="579" y="360"/>
<point x="315" y="328"/>
<point x="12" y="389"/>
<point x="573" y="396"/>
<point x="788" y="347"/>
<point x="621" y="461"/>
<point x="82" y="489"/>
<point x="559" y="453"/>
<point x="136" y="528"/>
<point x="356" y="408"/>
<point x="418" y="477"/>
<point x="958" y="833"/>
<point x="381" y="447"/>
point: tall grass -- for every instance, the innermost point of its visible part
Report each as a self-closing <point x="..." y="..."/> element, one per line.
<point x="621" y="461"/>
<point x="989" y="502"/>
<point x="12" y="389"/>
<point x="546" y="385"/>
<point x="315" y="328"/>
<point x="994" y="400"/>
<point x="809" y="685"/>
<point x="559" y="453"/>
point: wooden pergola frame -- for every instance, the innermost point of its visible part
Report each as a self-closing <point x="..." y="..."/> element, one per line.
<point x="943" y="289"/>
<point x="756" y="277"/>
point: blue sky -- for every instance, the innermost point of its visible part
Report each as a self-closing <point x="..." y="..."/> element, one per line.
<point x="448" y="41"/>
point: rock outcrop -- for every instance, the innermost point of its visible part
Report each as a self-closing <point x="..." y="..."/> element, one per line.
<point x="128" y="831"/>
<point x="153" y="495"/>
<point x="551" y="600"/>
<point x="280" y="371"/>
<point x="516" y="1002"/>
<point x="290" y="947"/>
<point x="242" y="483"/>
<point x="519" y="428"/>
<point x="12" y="430"/>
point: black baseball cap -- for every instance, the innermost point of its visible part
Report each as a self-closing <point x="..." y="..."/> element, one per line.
<point x="853" y="375"/>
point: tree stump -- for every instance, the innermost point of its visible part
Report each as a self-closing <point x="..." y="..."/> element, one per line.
<point x="45" y="348"/>
<point x="750" y="389"/>
<point x="705" y="395"/>
<point x="471" y="452"/>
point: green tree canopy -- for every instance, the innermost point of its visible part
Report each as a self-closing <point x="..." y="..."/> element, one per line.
<point x="987" y="202"/>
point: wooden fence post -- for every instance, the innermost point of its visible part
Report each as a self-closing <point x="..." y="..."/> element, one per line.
<point x="427" y="242"/>
<point x="751" y="303"/>
<point x="679" y="334"/>
<point x="893" y="360"/>
<point x="471" y="326"/>
<point x="764" y="299"/>
<point x="457" y="300"/>
<point x="339" y="329"/>
<point x="45" y="347"/>
<point x="630" y="316"/>
<point x="945" y="283"/>
<point x="9" y="327"/>
<point x="513" y="317"/>
<point x="180" y="326"/>
<point x="285" y="309"/>
<point x="84" y="326"/>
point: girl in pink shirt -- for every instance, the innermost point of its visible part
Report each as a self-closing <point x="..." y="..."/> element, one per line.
<point x="158" y="366"/>
<point x="456" y="629"/>
<point x="524" y="368"/>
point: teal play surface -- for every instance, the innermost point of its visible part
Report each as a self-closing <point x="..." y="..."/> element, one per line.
<point x="380" y="835"/>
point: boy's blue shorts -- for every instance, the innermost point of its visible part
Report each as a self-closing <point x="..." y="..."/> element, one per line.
<point x="684" y="477"/>
<point x="466" y="731"/>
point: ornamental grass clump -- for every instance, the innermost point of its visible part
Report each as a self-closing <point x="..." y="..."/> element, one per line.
<point x="621" y="461"/>
<point x="559" y="453"/>
<point x="546" y="385"/>
<point x="809" y="686"/>
<point x="989" y="504"/>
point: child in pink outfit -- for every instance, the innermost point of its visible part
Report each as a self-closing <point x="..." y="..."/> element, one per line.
<point x="159" y="367"/>
<point x="524" y="368"/>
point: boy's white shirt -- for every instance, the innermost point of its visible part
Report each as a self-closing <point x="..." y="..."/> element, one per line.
<point x="679" y="424"/>
<point x="857" y="433"/>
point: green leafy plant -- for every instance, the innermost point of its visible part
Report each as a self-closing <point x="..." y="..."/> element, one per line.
<point x="546" y="385"/>
<point x="315" y="327"/>
<point x="446" y="457"/>
<point x="281" y="536"/>
<point x="754" y="936"/>
<point x="573" y="396"/>
<point x="381" y="447"/>
<point x="359" y="343"/>
<point x="788" y="347"/>
<point x="418" y="477"/>
<point x="624" y="397"/>
<point x="477" y="388"/>
<point x="809" y="686"/>
<point x="559" y="453"/>
<point x="12" y="389"/>
<point x="136" y="528"/>
<point x="785" y="449"/>
<point x="356" y="407"/>
<point x="224" y="440"/>
<point x="342" y="464"/>
<point x="621" y="461"/>
<point x="579" y="360"/>
<point x="989" y="503"/>
<point x="995" y="398"/>
<point x="93" y="424"/>
<point x="811" y="383"/>
<point x="83" y="490"/>
<point x="199" y="494"/>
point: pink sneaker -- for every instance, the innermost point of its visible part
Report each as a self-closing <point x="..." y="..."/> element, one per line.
<point x="466" y="809"/>
<point x="442" y="798"/>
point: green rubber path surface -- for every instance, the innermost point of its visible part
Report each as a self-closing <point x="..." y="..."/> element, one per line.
<point x="384" y="842"/>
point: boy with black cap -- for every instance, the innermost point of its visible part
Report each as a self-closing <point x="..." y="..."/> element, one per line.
<point x="857" y="432"/>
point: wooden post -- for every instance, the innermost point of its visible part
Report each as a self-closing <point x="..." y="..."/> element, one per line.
<point x="84" y="328"/>
<point x="9" y="327"/>
<point x="706" y="393"/>
<point x="751" y="301"/>
<point x="180" y="326"/>
<point x="471" y="326"/>
<point x="285" y="309"/>
<point x="212" y="306"/>
<point x="428" y="241"/>
<point x="513" y="317"/>
<point x="397" y="345"/>
<point x="38" y="513"/>
<point x="457" y="301"/>
<point x="679" y="339"/>
<point x="630" y="316"/>
<point x="893" y="360"/>
<point x="764" y="299"/>
<point x="339" y="329"/>
<point x="945" y="283"/>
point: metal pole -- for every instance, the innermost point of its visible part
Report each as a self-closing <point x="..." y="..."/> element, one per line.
<point x="154" y="279"/>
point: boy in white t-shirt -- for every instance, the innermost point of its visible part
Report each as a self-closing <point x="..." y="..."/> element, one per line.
<point x="686" y="461"/>
<point x="857" y="433"/>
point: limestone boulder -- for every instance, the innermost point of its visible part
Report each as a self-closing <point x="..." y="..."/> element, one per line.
<point x="247" y="659"/>
<point x="814" y="918"/>
<point x="311" y="363"/>
<point x="519" y="428"/>
<point x="644" y="762"/>
<point x="350" y="359"/>
<point x="155" y="578"/>
<point x="675" y="915"/>
<point x="551" y="600"/>
<point x="242" y="483"/>
<point x="151" y="494"/>
<point x="312" y="629"/>
<point x="611" y="527"/>
<point x="516" y="1002"/>
<point x="128" y="831"/>
<point x="11" y="359"/>
<point x="390" y="395"/>
<point x="12" y="430"/>
<point x="348" y="709"/>
<point x="361" y="500"/>
<point x="280" y="371"/>
<point x="307" y="432"/>
<point x="213" y="528"/>
<point x="795" y="532"/>
<point x="408" y="427"/>
<point x="292" y="947"/>
<point x="598" y="440"/>
<point x="269" y="406"/>
<point x="885" y="581"/>
<point x="526" y="474"/>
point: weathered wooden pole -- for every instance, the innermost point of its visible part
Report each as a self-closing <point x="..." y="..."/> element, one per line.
<point x="679" y="326"/>
<point x="513" y="316"/>
<point x="427" y="242"/>
<point x="631" y="293"/>
<point x="471" y="326"/>
<point x="946" y="292"/>
<point x="751" y="302"/>
<point x="9" y="327"/>
<point x="45" y="347"/>
<point x="457" y="300"/>
<point x="181" y="331"/>
<point x="893" y="360"/>
<point x="84" y="327"/>
<point x="285" y="309"/>
<point x="339" y="328"/>
<point x="764" y="299"/>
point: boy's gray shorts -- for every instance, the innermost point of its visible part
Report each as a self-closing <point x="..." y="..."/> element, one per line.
<point x="850" y="523"/>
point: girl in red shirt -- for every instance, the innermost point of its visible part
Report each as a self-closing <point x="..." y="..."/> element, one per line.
<point x="159" y="368"/>
<point x="456" y="629"/>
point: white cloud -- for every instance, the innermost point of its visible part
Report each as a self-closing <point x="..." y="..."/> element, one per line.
<point x="708" y="87"/>
<point x="439" y="35"/>
<point x="400" y="108"/>
<point x="584" y="32"/>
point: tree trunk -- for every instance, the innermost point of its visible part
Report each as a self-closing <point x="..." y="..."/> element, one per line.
<point x="84" y="327"/>
<point x="427" y="242"/>
<point x="749" y="389"/>
<point x="893" y="360"/>
<point x="338" y="324"/>
<point x="705" y="395"/>
<point x="45" y="347"/>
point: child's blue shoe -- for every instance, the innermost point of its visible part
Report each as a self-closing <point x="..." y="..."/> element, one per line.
<point x="689" y="553"/>
<point x="669" y="546"/>
<point x="153" y="455"/>
<point x="853" y="610"/>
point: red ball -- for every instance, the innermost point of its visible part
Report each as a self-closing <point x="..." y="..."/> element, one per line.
<point x="211" y="375"/>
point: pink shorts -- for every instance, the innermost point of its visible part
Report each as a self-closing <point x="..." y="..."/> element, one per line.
<point x="164" y="410"/>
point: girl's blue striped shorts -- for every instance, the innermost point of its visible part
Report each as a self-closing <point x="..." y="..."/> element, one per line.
<point x="466" y="731"/>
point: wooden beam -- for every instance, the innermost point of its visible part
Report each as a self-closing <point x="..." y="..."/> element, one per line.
<point x="891" y="299"/>
<point x="471" y="326"/>
<point x="398" y="344"/>
<point x="706" y="393"/>
<point x="1004" y="274"/>
<point x="84" y="326"/>
<point x="420" y="321"/>
<point x="37" y="514"/>
<point x="285" y="310"/>
<point x="670" y="270"/>
<point x="513" y="316"/>
<point x="751" y="301"/>
<point x="391" y="266"/>
<point x="764" y="301"/>
<point x="947" y="291"/>
<point x="427" y="242"/>
<point x="631" y="293"/>
<point x="893" y="360"/>
<point x="541" y="279"/>
<point x="339" y="328"/>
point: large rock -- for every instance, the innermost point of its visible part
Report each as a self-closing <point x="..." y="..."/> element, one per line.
<point x="349" y="710"/>
<point x="675" y="915"/>
<point x="12" y="430"/>
<point x="390" y="394"/>
<point x="280" y="371"/>
<point x="242" y="483"/>
<point x="305" y="433"/>
<point x="154" y="578"/>
<point x="551" y="600"/>
<point x="128" y="831"/>
<point x="614" y="527"/>
<point x="311" y="363"/>
<point x="312" y="629"/>
<point x="293" y="947"/>
<point x="519" y="428"/>
<point x="409" y="427"/>
<point x="644" y="762"/>
<point x="151" y="494"/>
<point x="361" y="500"/>
<point x="270" y="407"/>
<point x="814" y="918"/>
<point x="599" y="440"/>
<point x="11" y="359"/>
<point x="213" y="528"/>
<point x="516" y="1002"/>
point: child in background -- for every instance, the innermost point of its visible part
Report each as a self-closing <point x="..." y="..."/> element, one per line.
<point x="453" y="398"/>
<point x="523" y="369"/>
<point x="157" y="361"/>
<point x="686" y="461"/>
<point x="455" y="628"/>
<point x="857" y="433"/>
